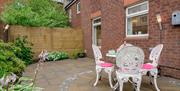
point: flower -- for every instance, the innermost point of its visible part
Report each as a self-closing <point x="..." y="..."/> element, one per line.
<point x="2" y="81"/>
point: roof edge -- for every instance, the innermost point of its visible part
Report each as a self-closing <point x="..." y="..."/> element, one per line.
<point x="70" y="4"/>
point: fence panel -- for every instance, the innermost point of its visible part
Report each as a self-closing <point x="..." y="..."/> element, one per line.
<point x="51" y="39"/>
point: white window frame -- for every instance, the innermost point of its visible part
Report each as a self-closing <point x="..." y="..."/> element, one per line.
<point x="70" y="15"/>
<point x="77" y="7"/>
<point x="136" y="14"/>
<point x="93" y="31"/>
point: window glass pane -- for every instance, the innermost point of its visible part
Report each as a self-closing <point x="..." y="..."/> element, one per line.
<point x="137" y="25"/>
<point x="70" y="15"/>
<point x="98" y="35"/>
<point x="97" y="21"/>
<point x="78" y="7"/>
<point x="138" y="8"/>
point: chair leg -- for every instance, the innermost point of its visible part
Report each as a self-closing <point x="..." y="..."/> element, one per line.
<point x="121" y="86"/>
<point x="138" y="85"/>
<point x="137" y="80"/>
<point x="110" y="79"/>
<point x="155" y="82"/>
<point x="115" y="86"/>
<point x="155" y="73"/>
<point x="150" y="78"/>
<point x="97" y="76"/>
<point x="100" y="77"/>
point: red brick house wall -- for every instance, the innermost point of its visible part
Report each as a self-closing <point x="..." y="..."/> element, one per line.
<point x="128" y="2"/>
<point x="86" y="26"/>
<point x="113" y="29"/>
<point x="76" y="18"/>
<point x="1" y="4"/>
<point x="95" y="5"/>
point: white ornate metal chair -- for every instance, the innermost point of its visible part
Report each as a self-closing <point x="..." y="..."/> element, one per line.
<point x="152" y="67"/>
<point x="102" y="65"/>
<point x="129" y="60"/>
<point x="123" y="45"/>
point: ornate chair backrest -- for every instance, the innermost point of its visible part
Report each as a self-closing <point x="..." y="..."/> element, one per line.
<point x="155" y="54"/>
<point x="130" y="59"/>
<point x="97" y="53"/>
<point x="123" y="45"/>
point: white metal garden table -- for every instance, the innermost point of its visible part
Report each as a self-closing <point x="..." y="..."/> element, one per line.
<point x="111" y="55"/>
<point x="135" y="56"/>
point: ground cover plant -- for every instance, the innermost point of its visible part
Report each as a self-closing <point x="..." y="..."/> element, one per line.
<point x="54" y="56"/>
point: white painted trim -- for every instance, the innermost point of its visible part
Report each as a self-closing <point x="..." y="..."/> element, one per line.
<point x="93" y="31"/>
<point x="138" y="35"/>
<point x="70" y="15"/>
<point x="96" y="24"/>
<point x="77" y="8"/>
<point x="146" y="2"/>
<point x="136" y="14"/>
<point x="69" y="4"/>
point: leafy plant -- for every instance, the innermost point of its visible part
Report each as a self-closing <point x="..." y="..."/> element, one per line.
<point x="35" y="13"/>
<point x="2" y="72"/>
<point x="9" y="62"/>
<point x="77" y="54"/>
<point x="54" y="56"/>
<point x="25" y="53"/>
<point x="74" y="54"/>
<point x="11" y="83"/>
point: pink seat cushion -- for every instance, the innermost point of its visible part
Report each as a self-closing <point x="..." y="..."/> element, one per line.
<point x="147" y="66"/>
<point x="106" y="64"/>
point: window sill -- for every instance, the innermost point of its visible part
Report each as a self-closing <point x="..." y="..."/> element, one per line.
<point x="146" y="37"/>
<point x="78" y="13"/>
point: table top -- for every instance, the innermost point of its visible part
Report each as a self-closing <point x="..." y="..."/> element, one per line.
<point x="110" y="55"/>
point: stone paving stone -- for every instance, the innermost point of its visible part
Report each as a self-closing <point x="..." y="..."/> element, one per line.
<point x="79" y="75"/>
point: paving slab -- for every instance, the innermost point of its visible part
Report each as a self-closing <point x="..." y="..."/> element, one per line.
<point x="79" y="75"/>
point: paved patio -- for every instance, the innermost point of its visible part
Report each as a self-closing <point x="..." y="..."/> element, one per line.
<point x="79" y="75"/>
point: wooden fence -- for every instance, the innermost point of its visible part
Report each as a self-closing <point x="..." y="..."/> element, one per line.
<point x="51" y="39"/>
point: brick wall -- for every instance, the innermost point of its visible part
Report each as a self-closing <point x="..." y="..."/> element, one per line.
<point x="170" y="59"/>
<point x="113" y="30"/>
<point x="128" y="2"/>
<point x="1" y="4"/>
<point x="86" y="26"/>
<point x="76" y="18"/>
<point x="95" y="5"/>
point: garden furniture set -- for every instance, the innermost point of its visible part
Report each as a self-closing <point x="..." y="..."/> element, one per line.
<point x="129" y="65"/>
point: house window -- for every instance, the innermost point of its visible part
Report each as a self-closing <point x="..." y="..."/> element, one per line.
<point x="78" y="7"/>
<point x="70" y="15"/>
<point x="96" y="31"/>
<point x="137" y="20"/>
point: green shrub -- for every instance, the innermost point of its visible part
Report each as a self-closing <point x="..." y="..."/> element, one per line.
<point x="12" y="83"/>
<point x="74" y="54"/>
<point x="25" y="53"/>
<point x="35" y="13"/>
<point x="2" y="72"/>
<point x="9" y="62"/>
<point x="54" y="56"/>
<point x="77" y="53"/>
